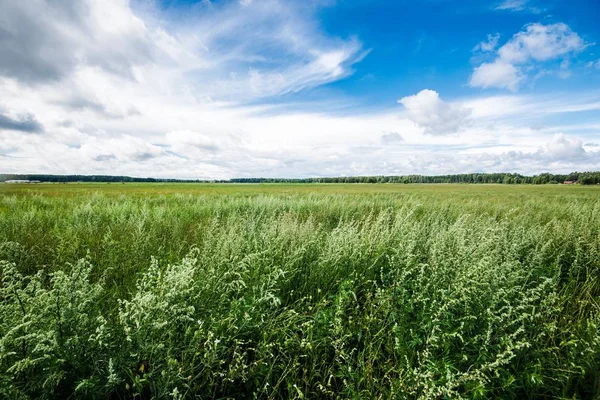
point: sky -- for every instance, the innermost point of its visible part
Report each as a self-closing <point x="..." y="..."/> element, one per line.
<point x="216" y="89"/>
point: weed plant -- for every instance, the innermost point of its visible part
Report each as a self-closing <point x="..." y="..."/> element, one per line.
<point x="425" y="293"/>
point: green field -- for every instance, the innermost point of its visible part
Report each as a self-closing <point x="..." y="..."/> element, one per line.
<point x="299" y="291"/>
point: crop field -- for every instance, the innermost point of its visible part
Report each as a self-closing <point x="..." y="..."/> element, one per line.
<point x="280" y="291"/>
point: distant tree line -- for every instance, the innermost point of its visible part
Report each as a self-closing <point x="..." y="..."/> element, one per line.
<point x="583" y="178"/>
<point x="85" y="178"/>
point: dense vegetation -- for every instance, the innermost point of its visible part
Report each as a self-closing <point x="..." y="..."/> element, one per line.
<point x="584" y="178"/>
<point x="299" y="291"/>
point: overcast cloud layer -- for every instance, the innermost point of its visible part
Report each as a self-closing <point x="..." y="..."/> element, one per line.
<point x="123" y="88"/>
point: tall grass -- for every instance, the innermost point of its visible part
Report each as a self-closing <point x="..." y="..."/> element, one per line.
<point x="487" y="293"/>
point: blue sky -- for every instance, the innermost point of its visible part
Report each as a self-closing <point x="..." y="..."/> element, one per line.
<point x="430" y="44"/>
<point x="221" y="89"/>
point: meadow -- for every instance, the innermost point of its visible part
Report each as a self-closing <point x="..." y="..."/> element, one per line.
<point x="278" y="291"/>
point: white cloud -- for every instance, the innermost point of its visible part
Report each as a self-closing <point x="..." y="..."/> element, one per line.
<point x="516" y="5"/>
<point x="489" y="44"/>
<point x="184" y="141"/>
<point x="519" y="5"/>
<point x="516" y="107"/>
<point x="39" y="49"/>
<point x="390" y="138"/>
<point x="562" y="147"/>
<point x="125" y="148"/>
<point x="22" y="123"/>
<point x="223" y="51"/>
<point x="435" y="116"/>
<point x="564" y="72"/>
<point x="497" y="74"/>
<point x="541" y="43"/>
<point x="301" y="145"/>
<point x="593" y="64"/>
<point x="537" y="43"/>
<point x="191" y="98"/>
<point x="327" y="66"/>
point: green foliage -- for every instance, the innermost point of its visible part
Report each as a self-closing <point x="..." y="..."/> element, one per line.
<point x="53" y="333"/>
<point x="584" y="178"/>
<point x="412" y="293"/>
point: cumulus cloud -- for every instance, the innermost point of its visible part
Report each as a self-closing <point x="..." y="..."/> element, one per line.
<point x="489" y="44"/>
<point x="188" y="140"/>
<point x="36" y="49"/>
<point x="124" y="148"/>
<point x="560" y="154"/>
<point x="497" y="74"/>
<point x="535" y="44"/>
<point x="23" y="123"/>
<point x="346" y="150"/>
<point x="391" y="138"/>
<point x="101" y="108"/>
<point x="562" y="147"/>
<point x="104" y="157"/>
<point x="541" y="43"/>
<point x="437" y="117"/>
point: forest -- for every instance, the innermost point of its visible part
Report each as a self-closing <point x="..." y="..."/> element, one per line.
<point x="583" y="178"/>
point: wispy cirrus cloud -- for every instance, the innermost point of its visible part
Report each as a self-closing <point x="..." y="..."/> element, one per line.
<point x="593" y="64"/>
<point x="512" y="5"/>
<point x="520" y="6"/>
<point x="233" y="51"/>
